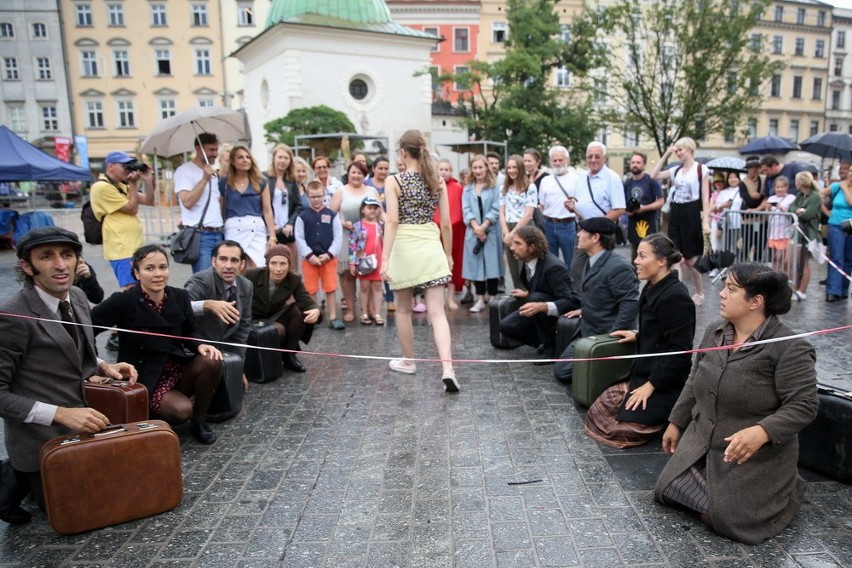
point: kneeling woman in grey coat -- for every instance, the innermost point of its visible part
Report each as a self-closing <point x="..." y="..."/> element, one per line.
<point x="733" y="431"/>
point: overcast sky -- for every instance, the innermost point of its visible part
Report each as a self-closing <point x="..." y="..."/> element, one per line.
<point x="841" y="3"/>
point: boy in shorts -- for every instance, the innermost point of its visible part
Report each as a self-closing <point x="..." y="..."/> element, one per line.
<point x="319" y="236"/>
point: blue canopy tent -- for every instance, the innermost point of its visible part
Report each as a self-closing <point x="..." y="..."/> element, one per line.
<point x="21" y="161"/>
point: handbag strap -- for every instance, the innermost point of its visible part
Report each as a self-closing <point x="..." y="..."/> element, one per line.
<point x="592" y="195"/>
<point x="206" y="205"/>
<point x="559" y="183"/>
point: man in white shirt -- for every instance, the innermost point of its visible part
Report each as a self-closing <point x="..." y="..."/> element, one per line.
<point x="560" y="224"/>
<point x="600" y="193"/>
<point x="197" y="189"/>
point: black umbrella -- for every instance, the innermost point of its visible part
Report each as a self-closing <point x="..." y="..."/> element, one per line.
<point x="835" y="145"/>
<point x="769" y="145"/>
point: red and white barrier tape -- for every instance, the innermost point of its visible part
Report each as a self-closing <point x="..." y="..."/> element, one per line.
<point x="827" y="258"/>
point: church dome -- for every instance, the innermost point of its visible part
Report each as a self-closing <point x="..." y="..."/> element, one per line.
<point x="361" y="11"/>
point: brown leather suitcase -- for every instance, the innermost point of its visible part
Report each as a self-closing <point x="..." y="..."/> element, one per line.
<point x="122" y="473"/>
<point x="120" y="401"/>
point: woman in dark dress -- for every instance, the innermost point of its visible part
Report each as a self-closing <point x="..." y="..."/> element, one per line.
<point x="173" y="370"/>
<point x="633" y="411"/>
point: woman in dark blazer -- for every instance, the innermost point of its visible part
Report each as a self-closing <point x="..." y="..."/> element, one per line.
<point x="171" y="369"/>
<point x="631" y="412"/>
<point x="286" y="200"/>
<point x="289" y="305"/>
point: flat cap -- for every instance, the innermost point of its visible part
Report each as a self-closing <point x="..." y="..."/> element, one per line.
<point x="599" y="225"/>
<point x="47" y="236"/>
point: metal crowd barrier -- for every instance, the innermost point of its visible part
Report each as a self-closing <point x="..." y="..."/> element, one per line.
<point x="746" y="235"/>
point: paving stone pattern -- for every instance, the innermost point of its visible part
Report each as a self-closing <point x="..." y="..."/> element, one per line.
<point x="352" y="465"/>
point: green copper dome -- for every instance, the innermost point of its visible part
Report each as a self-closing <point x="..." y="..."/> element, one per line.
<point x="361" y="11"/>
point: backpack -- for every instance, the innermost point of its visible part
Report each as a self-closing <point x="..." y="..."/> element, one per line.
<point x="92" y="228"/>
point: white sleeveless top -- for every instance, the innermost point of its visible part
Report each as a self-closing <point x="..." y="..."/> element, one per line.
<point x="687" y="186"/>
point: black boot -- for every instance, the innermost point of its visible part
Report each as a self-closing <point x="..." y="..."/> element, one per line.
<point x="292" y="363"/>
<point x="13" y="490"/>
<point x="201" y="431"/>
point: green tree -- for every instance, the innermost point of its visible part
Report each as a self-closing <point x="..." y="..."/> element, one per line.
<point x="514" y="99"/>
<point x="309" y="120"/>
<point x="684" y="67"/>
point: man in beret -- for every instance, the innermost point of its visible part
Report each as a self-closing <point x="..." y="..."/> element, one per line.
<point x="609" y="289"/>
<point x="43" y="363"/>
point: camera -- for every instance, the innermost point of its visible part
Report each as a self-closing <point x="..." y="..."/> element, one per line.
<point x="477" y="247"/>
<point x="137" y="166"/>
<point x="633" y="202"/>
<point x="847" y="226"/>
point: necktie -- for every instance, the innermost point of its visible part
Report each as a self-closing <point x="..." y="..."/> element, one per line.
<point x="68" y="318"/>
<point x="231" y="294"/>
<point x="529" y="273"/>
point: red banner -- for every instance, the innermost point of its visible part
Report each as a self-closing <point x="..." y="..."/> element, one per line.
<point x="62" y="148"/>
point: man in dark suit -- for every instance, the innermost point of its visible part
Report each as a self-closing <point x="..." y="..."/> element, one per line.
<point x="609" y="289"/>
<point x="548" y="292"/>
<point x="221" y="299"/>
<point x="43" y="363"/>
<point x="280" y="296"/>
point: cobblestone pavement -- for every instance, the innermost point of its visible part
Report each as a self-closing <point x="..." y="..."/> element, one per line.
<point x="351" y="465"/>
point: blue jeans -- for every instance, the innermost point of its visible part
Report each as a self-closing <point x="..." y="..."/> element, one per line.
<point x="208" y="243"/>
<point x="840" y="247"/>
<point x="561" y="237"/>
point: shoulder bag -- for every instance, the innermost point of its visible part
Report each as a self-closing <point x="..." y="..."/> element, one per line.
<point x="619" y="232"/>
<point x="185" y="244"/>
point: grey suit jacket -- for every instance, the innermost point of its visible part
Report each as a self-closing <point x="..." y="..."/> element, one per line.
<point x="609" y="295"/>
<point x="39" y="362"/>
<point x="206" y="285"/>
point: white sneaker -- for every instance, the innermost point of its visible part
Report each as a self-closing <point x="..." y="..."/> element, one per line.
<point x="477" y="307"/>
<point x="714" y="273"/>
<point x="800" y="296"/>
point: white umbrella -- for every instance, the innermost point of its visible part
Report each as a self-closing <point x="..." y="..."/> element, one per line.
<point x="177" y="134"/>
<point x="727" y="163"/>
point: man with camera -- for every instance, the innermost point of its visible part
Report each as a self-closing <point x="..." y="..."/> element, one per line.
<point x="644" y="197"/>
<point x="115" y="201"/>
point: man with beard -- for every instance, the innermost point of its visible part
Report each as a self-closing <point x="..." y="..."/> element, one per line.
<point x="644" y="197"/>
<point x="560" y="226"/>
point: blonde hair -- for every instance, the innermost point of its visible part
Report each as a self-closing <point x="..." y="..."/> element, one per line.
<point x="686" y="143"/>
<point x="490" y="180"/>
<point x="414" y="144"/>
<point x="521" y="183"/>
<point x="290" y="172"/>
<point x="255" y="179"/>
<point x="805" y="179"/>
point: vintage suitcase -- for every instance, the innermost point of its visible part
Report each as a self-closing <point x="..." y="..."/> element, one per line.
<point x="120" y="401"/>
<point x="497" y="310"/>
<point x="567" y="330"/>
<point x="228" y="400"/>
<point x="825" y="446"/>
<point x="122" y="473"/>
<point x="591" y="378"/>
<point x="262" y="365"/>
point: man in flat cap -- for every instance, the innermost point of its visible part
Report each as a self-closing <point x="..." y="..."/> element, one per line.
<point x="43" y="363"/>
<point x="609" y="289"/>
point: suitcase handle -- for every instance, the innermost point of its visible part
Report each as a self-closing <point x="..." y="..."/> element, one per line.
<point x="111" y="429"/>
<point x="111" y="382"/>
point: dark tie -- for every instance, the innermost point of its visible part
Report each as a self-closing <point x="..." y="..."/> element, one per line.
<point x="68" y="318"/>
<point x="231" y="294"/>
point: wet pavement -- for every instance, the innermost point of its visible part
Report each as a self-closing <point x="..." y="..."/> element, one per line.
<point x="353" y="465"/>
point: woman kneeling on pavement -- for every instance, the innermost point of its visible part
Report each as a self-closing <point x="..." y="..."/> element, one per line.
<point x="281" y="297"/>
<point x="173" y="370"/>
<point x="633" y="411"/>
<point x="734" y="430"/>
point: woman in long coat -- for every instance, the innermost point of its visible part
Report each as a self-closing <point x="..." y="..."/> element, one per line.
<point x="483" y="248"/>
<point x="734" y="430"/>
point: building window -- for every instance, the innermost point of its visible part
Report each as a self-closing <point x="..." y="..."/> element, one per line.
<point x="755" y="43"/>
<point x="814" y="127"/>
<point x="122" y="63"/>
<point x="202" y="62"/>
<point x="167" y="108"/>
<point x="775" y="86"/>
<point x="841" y="39"/>
<point x="838" y="66"/>
<point x="732" y="83"/>
<point x="773" y="127"/>
<point x="631" y="137"/>
<point x="90" y="63"/>
<point x="821" y="18"/>
<point x="10" y="69"/>
<point x="199" y="15"/>
<point x="158" y="15"/>
<point x="779" y="13"/>
<point x="459" y="70"/>
<point x="819" y="48"/>
<point x="797" y="87"/>
<point x="358" y="89"/>
<point x="668" y="54"/>
<point x="602" y="135"/>
<point x="800" y="46"/>
<point x="94" y="114"/>
<point x="49" y="119"/>
<point x="832" y="127"/>
<point x="434" y="32"/>
<point x="752" y="128"/>
<point x="730" y="131"/>
<point x="817" y="89"/>
<point x="39" y="31"/>
<point x="777" y="44"/>
<point x="7" y="30"/>
<point x="563" y="77"/>
<point x="206" y="102"/>
<point x="126" y="114"/>
<point x="800" y="16"/>
<point x="83" y="13"/>
<point x="835" y="100"/>
<point x="44" y="71"/>
<point x="17" y="117"/>
<point x="499" y="31"/>
<point x="461" y="40"/>
<point x="794" y="129"/>
<point x="565" y="33"/>
<point x="245" y="14"/>
<point x="115" y="15"/>
<point x="164" y="61"/>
